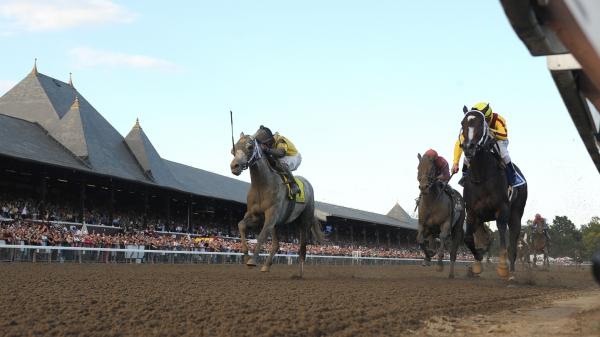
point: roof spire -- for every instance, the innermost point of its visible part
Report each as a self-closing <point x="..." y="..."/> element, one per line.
<point x="34" y="70"/>
<point x="71" y="79"/>
<point x="75" y="104"/>
<point x="137" y="123"/>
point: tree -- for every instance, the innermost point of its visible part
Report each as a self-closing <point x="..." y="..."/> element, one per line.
<point x="565" y="238"/>
<point x="590" y="234"/>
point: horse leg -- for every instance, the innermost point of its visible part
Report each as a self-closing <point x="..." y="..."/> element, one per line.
<point x="421" y="243"/>
<point x="472" y="223"/>
<point x="457" y="237"/>
<point x="270" y="219"/>
<point x="302" y="253"/>
<point x="501" y="223"/>
<point x="242" y="225"/>
<point x="444" y="234"/>
<point x="514" y="232"/>
<point x="274" y="249"/>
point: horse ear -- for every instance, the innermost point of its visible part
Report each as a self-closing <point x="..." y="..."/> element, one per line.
<point x="241" y="134"/>
<point x="465" y="110"/>
<point x="419" y="156"/>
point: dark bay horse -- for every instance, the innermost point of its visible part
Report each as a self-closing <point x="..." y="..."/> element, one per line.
<point x="268" y="205"/>
<point x="486" y="192"/>
<point x="438" y="216"/>
<point x="539" y="245"/>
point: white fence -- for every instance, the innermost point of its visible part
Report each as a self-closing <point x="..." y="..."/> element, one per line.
<point x="138" y="254"/>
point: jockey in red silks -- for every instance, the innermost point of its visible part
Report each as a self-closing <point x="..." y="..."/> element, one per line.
<point x="539" y="221"/>
<point x="441" y="166"/>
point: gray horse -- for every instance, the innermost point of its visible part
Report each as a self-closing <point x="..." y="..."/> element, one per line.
<point x="268" y="203"/>
<point x="438" y="215"/>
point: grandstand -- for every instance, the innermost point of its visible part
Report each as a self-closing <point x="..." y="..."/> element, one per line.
<point x="58" y="150"/>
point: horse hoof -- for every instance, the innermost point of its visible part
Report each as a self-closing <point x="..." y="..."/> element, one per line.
<point x="246" y="258"/>
<point x="250" y="263"/>
<point x="425" y="264"/>
<point x="502" y="271"/>
<point x="477" y="267"/>
<point x="264" y="269"/>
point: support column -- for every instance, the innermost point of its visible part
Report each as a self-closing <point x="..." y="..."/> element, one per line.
<point x="336" y="232"/>
<point x="364" y="232"/>
<point x="111" y="203"/>
<point x="377" y="235"/>
<point x="189" y="213"/>
<point x="82" y="202"/>
<point x="389" y="240"/>
<point x="168" y="209"/>
<point x="352" y="234"/>
<point x="43" y="189"/>
<point x="145" y="216"/>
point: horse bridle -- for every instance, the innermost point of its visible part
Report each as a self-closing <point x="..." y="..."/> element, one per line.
<point x="483" y="142"/>
<point x="256" y="155"/>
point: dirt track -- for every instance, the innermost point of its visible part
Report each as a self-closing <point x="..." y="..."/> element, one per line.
<point x="225" y="300"/>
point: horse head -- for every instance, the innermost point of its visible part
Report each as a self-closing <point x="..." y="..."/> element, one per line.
<point x="475" y="132"/>
<point x="426" y="173"/>
<point x="246" y="152"/>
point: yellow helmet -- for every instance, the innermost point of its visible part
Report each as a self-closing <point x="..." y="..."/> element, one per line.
<point x="484" y="107"/>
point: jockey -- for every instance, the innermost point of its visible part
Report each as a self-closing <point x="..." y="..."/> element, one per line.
<point x="539" y="221"/>
<point x="282" y="149"/>
<point x="442" y="172"/>
<point x="441" y="166"/>
<point x="498" y="128"/>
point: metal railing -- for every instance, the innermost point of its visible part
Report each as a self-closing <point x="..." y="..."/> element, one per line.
<point x="58" y="254"/>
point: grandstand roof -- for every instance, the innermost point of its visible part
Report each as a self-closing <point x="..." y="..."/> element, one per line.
<point x="45" y="120"/>
<point x="325" y="210"/>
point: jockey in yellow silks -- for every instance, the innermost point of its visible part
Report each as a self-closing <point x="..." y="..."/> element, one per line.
<point x="499" y="130"/>
<point x="283" y="150"/>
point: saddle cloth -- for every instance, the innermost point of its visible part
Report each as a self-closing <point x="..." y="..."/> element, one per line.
<point x="457" y="205"/>
<point x="300" y="196"/>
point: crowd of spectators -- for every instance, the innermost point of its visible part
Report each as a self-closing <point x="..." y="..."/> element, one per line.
<point x="46" y="234"/>
<point x="20" y="223"/>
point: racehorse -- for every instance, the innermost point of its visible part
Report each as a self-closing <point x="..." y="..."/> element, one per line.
<point x="439" y="214"/>
<point x="268" y="204"/>
<point x="486" y="192"/>
<point x="539" y="245"/>
<point x="523" y="250"/>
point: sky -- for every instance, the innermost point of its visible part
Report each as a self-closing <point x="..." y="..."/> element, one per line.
<point x="360" y="87"/>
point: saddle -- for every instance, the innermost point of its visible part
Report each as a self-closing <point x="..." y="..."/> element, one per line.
<point x="457" y="204"/>
<point x="274" y="164"/>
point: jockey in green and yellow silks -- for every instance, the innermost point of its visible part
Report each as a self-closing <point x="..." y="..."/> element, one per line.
<point x="497" y="125"/>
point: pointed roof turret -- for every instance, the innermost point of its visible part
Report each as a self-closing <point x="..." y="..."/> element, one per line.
<point x="147" y="156"/>
<point x="71" y="80"/>
<point x="34" y="70"/>
<point x="398" y="213"/>
<point x="70" y="131"/>
<point x="75" y="104"/>
<point x="71" y="120"/>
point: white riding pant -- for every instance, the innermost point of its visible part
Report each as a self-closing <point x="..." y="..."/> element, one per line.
<point x="503" y="146"/>
<point x="292" y="162"/>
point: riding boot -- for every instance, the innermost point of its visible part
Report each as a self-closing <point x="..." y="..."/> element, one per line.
<point x="511" y="174"/>
<point x="290" y="177"/>
<point x="465" y="173"/>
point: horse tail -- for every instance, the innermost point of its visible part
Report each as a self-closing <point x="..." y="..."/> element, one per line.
<point x="315" y="229"/>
